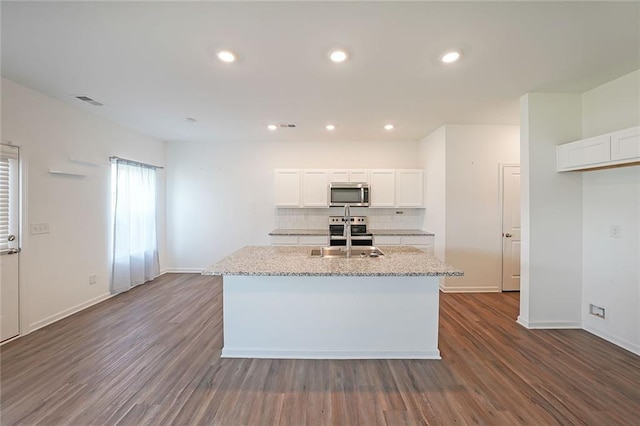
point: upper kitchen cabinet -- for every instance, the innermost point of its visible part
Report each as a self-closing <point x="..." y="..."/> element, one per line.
<point x="287" y="185"/>
<point x="383" y="188"/>
<point x="613" y="149"/>
<point x="315" y="191"/>
<point x="356" y="175"/>
<point x="625" y="145"/>
<point x="397" y="188"/>
<point x="409" y="188"/>
<point x="584" y="154"/>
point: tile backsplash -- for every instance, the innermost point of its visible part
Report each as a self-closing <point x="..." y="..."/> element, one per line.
<point x="377" y="218"/>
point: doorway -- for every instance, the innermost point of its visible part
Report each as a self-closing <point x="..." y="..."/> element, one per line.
<point x="511" y="228"/>
<point x="9" y="242"/>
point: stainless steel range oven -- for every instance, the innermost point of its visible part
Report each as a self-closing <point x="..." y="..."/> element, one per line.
<point x="359" y="234"/>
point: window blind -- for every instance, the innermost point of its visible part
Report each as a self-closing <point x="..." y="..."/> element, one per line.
<point x="8" y="195"/>
<point x="5" y="184"/>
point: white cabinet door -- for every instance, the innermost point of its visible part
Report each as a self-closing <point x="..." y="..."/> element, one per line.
<point x="313" y="240"/>
<point x="584" y="154"/>
<point x="383" y="188"/>
<point x="387" y="240"/>
<point x="284" y="240"/>
<point x="358" y="175"/>
<point x="625" y="145"/>
<point x="315" y="188"/>
<point x="339" y="176"/>
<point x="410" y="188"/>
<point x="355" y="175"/>
<point x="287" y="185"/>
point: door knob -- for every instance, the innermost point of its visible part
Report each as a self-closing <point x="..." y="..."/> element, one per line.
<point x="11" y="238"/>
<point x="508" y="235"/>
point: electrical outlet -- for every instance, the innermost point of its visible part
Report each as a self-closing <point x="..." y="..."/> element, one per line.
<point x="39" y="228"/>
<point x="93" y="278"/>
<point x="615" y="231"/>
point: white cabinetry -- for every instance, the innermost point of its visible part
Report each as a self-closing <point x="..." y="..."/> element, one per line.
<point x="356" y="175"/>
<point x="409" y="188"/>
<point x="299" y="240"/>
<point x="287" y="184"/>
<point x="383" y="188"/>
<point x="315" y="188"/>
<point x="592" y="152"/>
<point x="397" y="188"/>
<point x="310" y="187"/>
<point x="422" y="242"/>
<point x="612" y="149"/>
<point x="625" y="145"/>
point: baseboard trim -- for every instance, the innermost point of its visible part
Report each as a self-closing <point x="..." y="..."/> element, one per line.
<point x="311" y="354"/>
<point x="486" y="289"/>
<point x="181" y="271"/>
<point x="550" y="325"/>
<point x="68" y="312"/>
<point x="623" y="343"/>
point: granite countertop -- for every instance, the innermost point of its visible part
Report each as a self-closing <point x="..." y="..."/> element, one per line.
<point x="299" y="232"/>
<point x="297" y="261"/>
<point x="303" y="232"/>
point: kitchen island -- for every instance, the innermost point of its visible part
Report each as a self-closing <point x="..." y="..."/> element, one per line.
<point x="280" y="302"/>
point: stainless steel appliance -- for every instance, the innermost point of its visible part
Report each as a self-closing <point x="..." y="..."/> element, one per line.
<point x="359" y="234"/>
<point x="355" y="194"/>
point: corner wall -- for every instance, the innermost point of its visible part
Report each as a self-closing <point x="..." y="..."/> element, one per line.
<point x="55" y="266"/>
<point x="551" y="257"/>
<point x="611" y="266"/>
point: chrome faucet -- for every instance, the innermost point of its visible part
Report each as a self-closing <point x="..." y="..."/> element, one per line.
<point x="347" y="228"/>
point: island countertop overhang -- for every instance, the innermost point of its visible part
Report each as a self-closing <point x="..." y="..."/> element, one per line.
<point x="297" y="261"/>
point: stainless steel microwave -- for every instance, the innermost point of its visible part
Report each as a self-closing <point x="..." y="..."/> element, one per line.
<point x="353" y="193"/>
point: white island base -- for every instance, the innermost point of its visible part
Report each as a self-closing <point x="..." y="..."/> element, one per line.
<point x="331" y="317"/>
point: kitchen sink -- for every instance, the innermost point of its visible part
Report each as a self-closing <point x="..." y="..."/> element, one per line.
<point x="364" y="251"/>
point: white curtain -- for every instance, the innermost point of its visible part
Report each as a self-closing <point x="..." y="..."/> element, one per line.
<point x="135" y="244"/>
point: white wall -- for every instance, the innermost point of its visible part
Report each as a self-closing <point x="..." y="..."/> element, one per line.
<point x="551" y="257"/>
<point x="221" y="194"/>
<point x="462" y="163"/>
<point x="433" y="156"/>
<point x="473" y="227"/>
<point x="55" y="266"/>
<point x="612" y="106"/>
<point x="611" y="266"/>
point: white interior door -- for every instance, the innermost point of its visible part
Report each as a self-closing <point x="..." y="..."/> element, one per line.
<point x="9" y="242"/>
<point x="510" y="177"/>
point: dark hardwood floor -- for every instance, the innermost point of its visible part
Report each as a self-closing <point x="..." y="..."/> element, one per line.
<point x="152" y="356"/>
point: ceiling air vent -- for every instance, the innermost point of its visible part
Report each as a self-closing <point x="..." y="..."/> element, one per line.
<point x="89" y="100"/>
<point x="287" y="126"/>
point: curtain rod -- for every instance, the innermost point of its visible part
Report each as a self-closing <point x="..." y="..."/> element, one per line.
<point x="137" y="163"/>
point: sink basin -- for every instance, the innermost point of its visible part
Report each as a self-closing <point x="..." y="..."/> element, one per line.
<point x="365" y="251"/>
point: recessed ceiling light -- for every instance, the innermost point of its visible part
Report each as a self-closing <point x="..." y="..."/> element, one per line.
<point x="330" y="127"/>
<point x="226" y="56"/>
<point x="451" y="56"/>
<point x="388" y="126"/>
<point x="272" y="127"/>
<point x="338" y="55"/>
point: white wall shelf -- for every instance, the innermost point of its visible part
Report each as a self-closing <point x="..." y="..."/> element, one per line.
<point x="65" y="173"/>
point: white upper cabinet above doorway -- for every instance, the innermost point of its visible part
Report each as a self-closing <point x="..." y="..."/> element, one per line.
<point x="612" y="149"/>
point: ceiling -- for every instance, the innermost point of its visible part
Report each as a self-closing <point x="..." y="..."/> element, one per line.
<point x="153" y="64"/>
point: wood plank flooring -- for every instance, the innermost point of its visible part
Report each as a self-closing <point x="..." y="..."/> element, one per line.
<point x="152" y="356"/>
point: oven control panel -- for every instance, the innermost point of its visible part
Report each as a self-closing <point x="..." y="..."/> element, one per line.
<point x="337" y="220"/>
